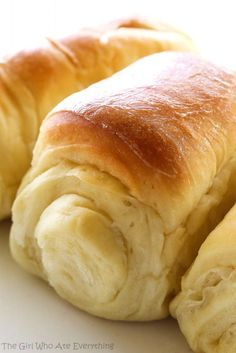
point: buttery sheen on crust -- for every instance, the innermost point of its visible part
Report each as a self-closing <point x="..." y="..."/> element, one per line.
<point x="128" y="178"/>
<point x="206" y="305"/>
<point x="33" y="81"/>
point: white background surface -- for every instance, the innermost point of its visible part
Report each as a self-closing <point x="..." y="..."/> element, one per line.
<point x="29" y="310"/>
<point x="211" y="23"/>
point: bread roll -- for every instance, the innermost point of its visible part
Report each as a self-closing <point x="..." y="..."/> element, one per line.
<point x="33" y="81"/>
<point x="128" y="177"/>
<point x="206" y="306"/>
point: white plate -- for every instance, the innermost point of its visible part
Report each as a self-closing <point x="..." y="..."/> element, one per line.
<point x="31" y="314"/>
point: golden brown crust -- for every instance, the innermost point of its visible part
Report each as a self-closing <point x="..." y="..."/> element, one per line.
<point x="89" y="56"/>
<point x="34" y="80"/>
<point x="164" y="126"/>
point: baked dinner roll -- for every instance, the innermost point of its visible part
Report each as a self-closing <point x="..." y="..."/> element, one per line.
<point x="206" y="306"/>
<point x="33" y="81"/>
<point x="128" y="177"/>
